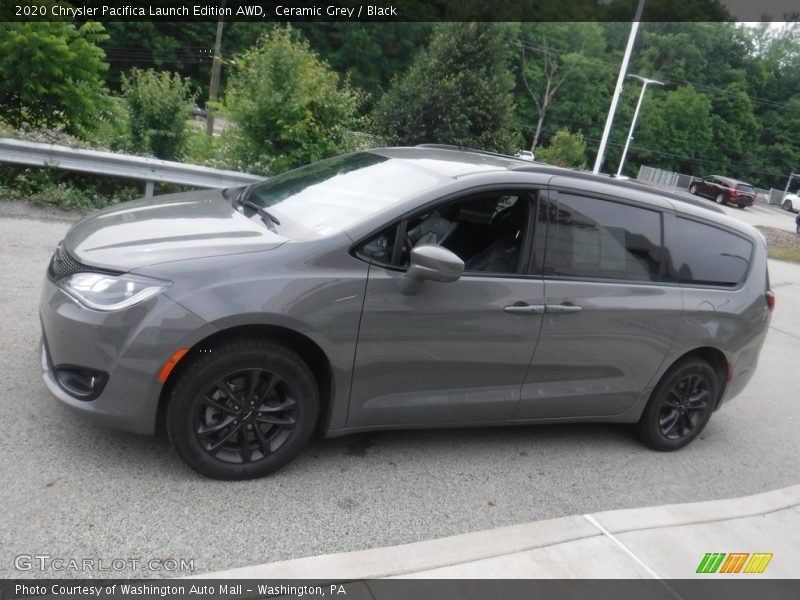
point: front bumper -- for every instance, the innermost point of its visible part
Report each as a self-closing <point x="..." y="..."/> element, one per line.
<point x="130" y="345"/>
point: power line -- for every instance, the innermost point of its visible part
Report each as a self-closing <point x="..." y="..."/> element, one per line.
<point x="667" y="79"/>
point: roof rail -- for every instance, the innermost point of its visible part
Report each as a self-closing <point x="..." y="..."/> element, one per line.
<point x="468" y="149"/>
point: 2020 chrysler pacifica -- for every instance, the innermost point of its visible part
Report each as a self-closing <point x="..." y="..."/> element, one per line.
<point x="399" y="288"/>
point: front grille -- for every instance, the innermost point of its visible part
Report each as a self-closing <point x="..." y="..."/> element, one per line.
<point x="63" y="264"/>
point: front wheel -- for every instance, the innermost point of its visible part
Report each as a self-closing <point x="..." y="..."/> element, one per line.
<point x="787" y="205"/>
<point x="720" y="198"/>
<point x="243" y="410"/>
<point x="797" y="229"/>
<point x="681" y="405"/>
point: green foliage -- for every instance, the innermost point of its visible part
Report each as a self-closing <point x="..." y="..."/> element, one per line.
<point x="62" y="189"/>
<point x="565" y="150"/>
<point x="51" y="74"/>
<point x="289" y="108"/>
<point x="159" y="105"/>
<point x="458" y="91"/>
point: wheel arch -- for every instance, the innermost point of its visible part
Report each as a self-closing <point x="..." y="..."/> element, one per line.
<point x="308" y="349"/>
<point x="713" y="356"/>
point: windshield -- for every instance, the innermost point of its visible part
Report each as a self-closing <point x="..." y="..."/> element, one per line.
<point x="333" y="194"/>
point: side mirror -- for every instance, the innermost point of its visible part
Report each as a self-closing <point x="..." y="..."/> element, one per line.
<point x="431" y="263"/>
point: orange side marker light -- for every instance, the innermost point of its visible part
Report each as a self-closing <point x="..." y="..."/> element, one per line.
<point x="170" y="364"/>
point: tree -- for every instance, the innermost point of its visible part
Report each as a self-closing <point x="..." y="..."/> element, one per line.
<point x="159" y="105"/>
<point x="288" y="107"/>
<point x="457" y="91"/>
<point x="562" y="50"/>
<point x="676" y="130"/>
<point x="565" y="150"/>
<point x="51" y="74"/>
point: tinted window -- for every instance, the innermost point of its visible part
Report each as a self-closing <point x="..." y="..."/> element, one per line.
<point x="587" y="237"/>
<point x="707" y="255"/>
<point x="747" y="189"/>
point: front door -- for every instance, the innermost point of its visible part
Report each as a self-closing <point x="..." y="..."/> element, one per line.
<point x="452" y="352"/>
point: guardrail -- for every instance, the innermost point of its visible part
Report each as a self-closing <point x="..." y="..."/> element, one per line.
<point x="110" y="164"/>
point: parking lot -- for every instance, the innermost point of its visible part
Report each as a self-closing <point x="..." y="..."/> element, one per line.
<point x="74" y="490"/>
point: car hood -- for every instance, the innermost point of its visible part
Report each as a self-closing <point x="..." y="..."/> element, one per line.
<point x="171" y="227"/>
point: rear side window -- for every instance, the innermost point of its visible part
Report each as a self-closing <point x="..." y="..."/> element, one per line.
<point x="707" y="255"/>
<point x="589" y="237"/>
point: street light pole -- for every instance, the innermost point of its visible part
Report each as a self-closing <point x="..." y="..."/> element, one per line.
<point x="623" y="69"/>
<point x="645" y="81"/>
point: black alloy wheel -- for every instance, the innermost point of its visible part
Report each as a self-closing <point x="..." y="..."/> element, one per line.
<point x="693" y="189"/>
<point x="680" y="406"/>
<point x="684" y="408"/>
<point x="720" y="198"/>
<point x="242" y="410"/>
<point x="245" y="415"/>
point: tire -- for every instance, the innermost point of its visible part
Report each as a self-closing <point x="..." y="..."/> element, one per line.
<point x="675" y="416"/>
<point x="219" y="426"/>
<point x="693" y="189"/>
<point x="797" y="229"/>
<point x="787" y="206"/>
<point x="720" y="198"/>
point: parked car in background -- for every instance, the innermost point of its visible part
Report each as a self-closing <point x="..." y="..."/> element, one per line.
<point x="797" y="224"/>
<point x="791" y="202"/>
<point x="724" y="190"/>
<point x="401" y="288"/>
<point x="526" y="155"/>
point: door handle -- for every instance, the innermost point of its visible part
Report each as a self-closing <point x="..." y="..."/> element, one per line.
<point x="562" y="308"/>
<point x="522" y="308"/>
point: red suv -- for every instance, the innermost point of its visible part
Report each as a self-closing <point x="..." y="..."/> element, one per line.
<point x="724" y="190"/>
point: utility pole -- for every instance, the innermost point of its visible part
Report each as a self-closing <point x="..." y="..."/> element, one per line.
<point x="792" y="175"/>
<point x="213" y="89"/>
<point x="645" y="81"/>
<point x="623" y="69"/>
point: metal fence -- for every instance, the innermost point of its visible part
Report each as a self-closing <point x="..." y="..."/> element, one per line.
<point x="667" y="178"/>
<point x="110" y="164"/>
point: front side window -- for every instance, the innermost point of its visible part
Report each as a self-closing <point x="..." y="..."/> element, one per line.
<point x="707" y="255"/>
<point x="487" y="232"/>
<point x="589" y="237"/>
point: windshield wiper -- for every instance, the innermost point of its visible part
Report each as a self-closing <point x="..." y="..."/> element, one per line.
<point x="268" y="218"/>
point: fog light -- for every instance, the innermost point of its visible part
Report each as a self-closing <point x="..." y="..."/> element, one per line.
<point x="81" y="382"/>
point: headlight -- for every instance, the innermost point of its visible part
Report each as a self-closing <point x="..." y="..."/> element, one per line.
<point x="101" y="291"/>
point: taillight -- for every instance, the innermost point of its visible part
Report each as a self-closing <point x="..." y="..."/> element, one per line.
<point x="770" y="299"/>
<point x="733" y="192"/>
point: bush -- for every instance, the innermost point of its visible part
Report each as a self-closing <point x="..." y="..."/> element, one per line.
<point x="63" y="189"/>
<point x="565" y="150"/>
<point x="159" y="105"/>
<point x="288" y="107"/>
<point x="52" y="75"/>
<point x="458" y="91"/>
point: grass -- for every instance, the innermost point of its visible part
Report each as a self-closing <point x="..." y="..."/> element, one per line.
<point x="785" y="253"/>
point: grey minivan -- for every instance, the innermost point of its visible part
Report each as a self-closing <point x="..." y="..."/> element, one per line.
<point x="402" y="288"/>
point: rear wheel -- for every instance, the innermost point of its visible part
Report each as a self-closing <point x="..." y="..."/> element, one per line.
<point x="693" y="189"/>
<point x="681" y="405"/>
<point x="243" y="410"/>
<point x="720" y="198"/>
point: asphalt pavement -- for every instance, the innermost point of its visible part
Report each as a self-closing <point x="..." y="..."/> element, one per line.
<point x="74" y="490"/>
